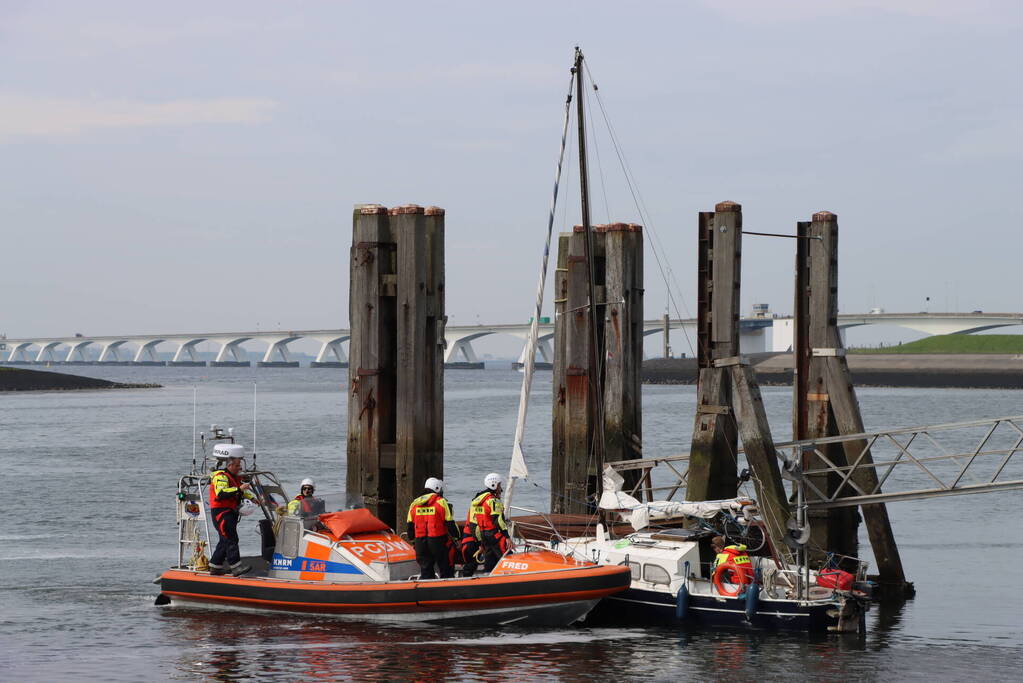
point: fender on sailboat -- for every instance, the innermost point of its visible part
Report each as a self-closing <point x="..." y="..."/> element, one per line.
<point x="682" y="602"/>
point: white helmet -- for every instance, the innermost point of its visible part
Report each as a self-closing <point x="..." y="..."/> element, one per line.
<point x="434" y="484"/>
<point x="492" y="481"/>
<point x="307" y="482"/>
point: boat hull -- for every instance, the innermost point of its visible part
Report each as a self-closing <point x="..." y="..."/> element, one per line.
<point x="555" y="598"/>
<point x="639" y="606"/>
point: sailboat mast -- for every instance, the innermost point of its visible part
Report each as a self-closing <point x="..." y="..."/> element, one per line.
<point x="596" y="389"/>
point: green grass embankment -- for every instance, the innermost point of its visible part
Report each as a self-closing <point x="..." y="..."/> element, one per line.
<point x="955" y="343"/>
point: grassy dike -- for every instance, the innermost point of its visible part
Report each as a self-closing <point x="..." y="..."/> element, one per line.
<point x="955" y="361"/>
<point x="954" y="343"/>
<point x="19" y="379"/>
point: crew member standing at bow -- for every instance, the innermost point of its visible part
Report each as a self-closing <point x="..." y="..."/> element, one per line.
<point x="226" y="493"/>
<point x="432" y="525"/>
<point x="486" y="516"/>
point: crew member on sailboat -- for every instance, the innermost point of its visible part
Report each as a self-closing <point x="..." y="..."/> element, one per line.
<point x="432" y="525"/>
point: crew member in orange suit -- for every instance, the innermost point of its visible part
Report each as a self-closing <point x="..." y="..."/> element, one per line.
<point x="432" y="526"/>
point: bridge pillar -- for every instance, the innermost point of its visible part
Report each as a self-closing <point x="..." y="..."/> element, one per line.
<point x="543" y="347"/>
<point x="110" y="353"/>
<point x="76" y="349"/>
<point x="327" y="350"/>
<point x="146" y="354"/>
<point x="279" y="348"/>
<point x="46" y="354"/>
<point x="464" y="347"/>
<point x="239" y="358"/>
<point x="19" y="355"/>
<point x="187" y="348"/>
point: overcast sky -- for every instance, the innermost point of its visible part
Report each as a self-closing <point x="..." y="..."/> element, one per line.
<point x="173" y="167"/>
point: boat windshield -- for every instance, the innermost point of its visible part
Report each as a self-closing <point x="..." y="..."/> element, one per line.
<point x="328" y="502"/>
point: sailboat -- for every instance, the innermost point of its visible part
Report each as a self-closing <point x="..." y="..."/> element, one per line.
<point x="674" y="580"/>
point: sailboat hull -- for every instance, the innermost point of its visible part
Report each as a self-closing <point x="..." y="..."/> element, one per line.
<point x="639" y="606"/>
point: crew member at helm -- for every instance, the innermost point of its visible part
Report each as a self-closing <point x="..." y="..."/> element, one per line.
<point x="486" y="525"/>
<point x="305" y="504"/>
<point x="226" y="493"/>
<point x="432" y="526"/>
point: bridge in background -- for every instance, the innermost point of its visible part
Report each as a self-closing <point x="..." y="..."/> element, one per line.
<point x="756" y="334"/>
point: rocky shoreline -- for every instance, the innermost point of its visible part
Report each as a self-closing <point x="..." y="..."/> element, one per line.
<point x="19" y="379"/>
<point x="962" y="371"/>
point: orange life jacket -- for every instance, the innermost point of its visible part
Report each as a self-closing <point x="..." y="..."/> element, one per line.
<point x="736" y="554"/>
<point x="229" y="501"/>
<point x="430" y="513"/>
<point x="482" y="511"/>
<point x="735" y="558"/>
<point x="307" y="508"/>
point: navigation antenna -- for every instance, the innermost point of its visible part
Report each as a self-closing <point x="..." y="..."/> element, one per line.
<point x="255" y="396"/>
<point x="194" y="390"/>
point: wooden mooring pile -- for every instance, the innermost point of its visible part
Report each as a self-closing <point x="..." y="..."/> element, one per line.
<point x="396" y="363"/>
<point x="395" y="421"/>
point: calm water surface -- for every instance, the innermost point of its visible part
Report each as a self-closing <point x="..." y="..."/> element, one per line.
<point x="90" y="480"/>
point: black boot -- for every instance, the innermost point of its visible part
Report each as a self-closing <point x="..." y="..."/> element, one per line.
<point x="239" y="569"/>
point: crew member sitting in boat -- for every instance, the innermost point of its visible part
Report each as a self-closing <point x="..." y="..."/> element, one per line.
<point x="306" y="505"/>
<point x="432" y="526"/>
<point x="469" y="547"/>
<point x="485" y="527"/>
<point x="734" y="557"/>
<point x="226" y="493"/>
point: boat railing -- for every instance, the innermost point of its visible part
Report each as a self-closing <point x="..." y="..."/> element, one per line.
<point x="545" y="525"/>
<point x="190" y="539"/>
<point x="911" y="463"/>
<point x="839" y="561"/>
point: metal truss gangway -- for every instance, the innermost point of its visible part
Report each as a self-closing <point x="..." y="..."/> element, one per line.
<point x="909" y="463"/>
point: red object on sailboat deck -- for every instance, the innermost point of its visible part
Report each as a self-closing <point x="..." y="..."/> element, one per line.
<point x="350" y="522"/>
<point x="835" y="578"/>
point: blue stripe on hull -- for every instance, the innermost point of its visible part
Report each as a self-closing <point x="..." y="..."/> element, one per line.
<point x="651" y="607"/>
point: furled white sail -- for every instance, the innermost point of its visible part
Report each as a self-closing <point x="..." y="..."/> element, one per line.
<point x="613" y="498"/>
<point x="519" y="469"/>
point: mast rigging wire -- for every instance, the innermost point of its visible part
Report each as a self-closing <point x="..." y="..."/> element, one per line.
<point x="637" y="198"/>
<point x="658" y="245"/>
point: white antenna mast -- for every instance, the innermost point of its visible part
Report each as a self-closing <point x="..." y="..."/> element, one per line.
<point x="255" y="395"/>
<point x="194" y="390"/>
